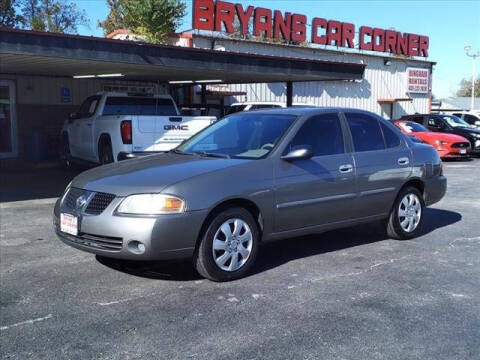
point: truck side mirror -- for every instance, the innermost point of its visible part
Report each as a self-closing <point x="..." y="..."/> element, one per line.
<point x="72" y="116"/>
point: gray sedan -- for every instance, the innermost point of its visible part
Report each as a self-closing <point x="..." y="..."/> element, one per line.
<point x="250" y="178"/>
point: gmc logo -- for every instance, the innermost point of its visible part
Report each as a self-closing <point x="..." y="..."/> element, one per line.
<point x="176" y="127"/>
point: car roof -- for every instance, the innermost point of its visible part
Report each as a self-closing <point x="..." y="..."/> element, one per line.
<point x="308" y="111"/>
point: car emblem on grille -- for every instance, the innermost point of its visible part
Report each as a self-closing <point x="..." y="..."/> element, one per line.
<point x="81" y="201"/>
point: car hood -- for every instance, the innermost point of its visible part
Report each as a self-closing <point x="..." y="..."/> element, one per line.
<point x="466" y="131"/>
<point x="150" y="174"/>
<point x="431" y="137"/>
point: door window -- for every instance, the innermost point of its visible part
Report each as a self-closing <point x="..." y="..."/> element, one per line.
<point x="87" y="109"/>
<point x="366" y="132"/>
<point x="323" y="133"/>
<point x="391" y="139"/>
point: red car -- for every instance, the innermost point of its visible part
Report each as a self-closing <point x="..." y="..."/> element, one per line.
<point x="447" y="145"/>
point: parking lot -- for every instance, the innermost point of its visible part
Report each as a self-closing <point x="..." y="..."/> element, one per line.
<point x="346" y="294"/>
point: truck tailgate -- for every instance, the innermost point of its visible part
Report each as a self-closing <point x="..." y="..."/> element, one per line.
<point x="173" y="130"/>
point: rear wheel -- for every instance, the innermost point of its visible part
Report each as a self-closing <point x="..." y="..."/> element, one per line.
<point x="105" y="153"/>
<point x="406" y="215"/>
<point x="229" y="246"/>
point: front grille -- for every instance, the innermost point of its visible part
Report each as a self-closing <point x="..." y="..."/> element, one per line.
<point x="99" y="203"/>
<point x="462" y="145"/>
<point x="97" y="242"/>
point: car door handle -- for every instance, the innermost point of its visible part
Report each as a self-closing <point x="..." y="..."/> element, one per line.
<point x="403" y="161"/>
<point x="345" y="168"/>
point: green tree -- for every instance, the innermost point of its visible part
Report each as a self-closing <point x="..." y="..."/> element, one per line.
<point x="465" y="89"/>
<point x="153" y="19"/>
<point x="115" y="18"/>
<point x="8" y="15"/>
<point x="52" y="15"/>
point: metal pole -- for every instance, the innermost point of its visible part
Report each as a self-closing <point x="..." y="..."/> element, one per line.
<point x="474" y="59"/>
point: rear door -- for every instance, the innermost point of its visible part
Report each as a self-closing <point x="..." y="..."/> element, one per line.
<point x="382" y="161"/>
<point x="320" y="190"/>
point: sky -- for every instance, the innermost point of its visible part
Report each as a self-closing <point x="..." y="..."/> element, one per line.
<point x="450" y="24"/>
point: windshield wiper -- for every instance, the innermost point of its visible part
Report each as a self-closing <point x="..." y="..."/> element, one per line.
<point x="205" y="154"/>
<point x="180" y="152"/>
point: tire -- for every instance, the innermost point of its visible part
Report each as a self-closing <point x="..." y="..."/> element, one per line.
<point x="406" y="216"/>
<point x="216" y="247"/>
<point x="65" y="155"/>
<point x="105" y="153"/>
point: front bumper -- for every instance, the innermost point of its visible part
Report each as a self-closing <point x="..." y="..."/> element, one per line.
<point x="165" y="237"/>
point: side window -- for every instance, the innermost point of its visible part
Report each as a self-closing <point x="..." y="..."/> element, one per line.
<point x="391" y="139"/>
<point x="366" y="132"/>
<point x="470" y="119"/>
<point x="434" y="122"/>
<point x="323" y="133"/>
<point x="87" y="109"/>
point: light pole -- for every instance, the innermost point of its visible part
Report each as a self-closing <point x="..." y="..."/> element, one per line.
<point x="474" y="58"/>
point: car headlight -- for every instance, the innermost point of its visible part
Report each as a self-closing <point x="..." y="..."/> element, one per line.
<point x="151" y="204"/>
<point x="438" y="142"/>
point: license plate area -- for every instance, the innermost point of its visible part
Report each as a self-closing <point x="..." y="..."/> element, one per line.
<point x="69" y="224"/>
<point x="463" y="151"/>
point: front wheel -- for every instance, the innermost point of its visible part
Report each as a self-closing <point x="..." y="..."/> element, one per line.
<point x="406" y="215"/>
<point x="229" y="247"/>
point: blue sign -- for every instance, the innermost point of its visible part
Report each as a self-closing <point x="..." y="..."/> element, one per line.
<point x="65" y="95"/>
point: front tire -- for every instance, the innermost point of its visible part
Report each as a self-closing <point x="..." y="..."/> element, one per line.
<point x="229" y="247"/>
<point x="407" y="214"/>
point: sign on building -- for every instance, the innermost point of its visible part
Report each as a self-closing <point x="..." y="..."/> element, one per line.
<point x="418" y="80"/>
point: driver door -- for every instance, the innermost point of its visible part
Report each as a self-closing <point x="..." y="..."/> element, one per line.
<point x="320" y="190"/>
<point x="81" y="130"/>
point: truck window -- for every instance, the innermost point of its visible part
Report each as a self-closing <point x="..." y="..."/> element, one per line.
<point x="89" y="106"/>
<point x="139" y="106"/>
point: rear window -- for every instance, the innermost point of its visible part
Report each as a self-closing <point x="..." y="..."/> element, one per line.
<point x="366" y="132"/>
<point x="139" y="106"/>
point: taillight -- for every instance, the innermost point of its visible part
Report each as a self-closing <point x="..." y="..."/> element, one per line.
<point x="126" y="131"/>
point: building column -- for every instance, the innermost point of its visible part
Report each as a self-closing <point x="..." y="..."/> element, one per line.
<point x="289" y="94"/>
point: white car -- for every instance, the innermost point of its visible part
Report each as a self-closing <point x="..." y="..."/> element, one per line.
<point x="110" y="127"/>
<point x="257" y="105"/>
<point x="471" y="117"/>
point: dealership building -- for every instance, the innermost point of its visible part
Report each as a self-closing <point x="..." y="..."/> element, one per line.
<point x="233" y="54"/>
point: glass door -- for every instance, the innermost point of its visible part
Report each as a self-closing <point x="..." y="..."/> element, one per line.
<point x="8" y="121"/>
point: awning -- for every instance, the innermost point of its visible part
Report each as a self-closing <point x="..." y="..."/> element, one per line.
<point x="394" y="100"/>
<point x="50" y="54"/>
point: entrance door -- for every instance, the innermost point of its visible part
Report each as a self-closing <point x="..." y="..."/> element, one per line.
<point x="8" y="120"/>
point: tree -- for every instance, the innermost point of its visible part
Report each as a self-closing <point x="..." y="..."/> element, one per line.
<point x="52" y="15"/>
<point x="8" y="15"/>
<point x="152" y="19"/>
<point x="466" y="88"/>
<point x="115" y="18"/>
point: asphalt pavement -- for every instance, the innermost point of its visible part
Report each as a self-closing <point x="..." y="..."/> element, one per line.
<point x="346" y="294"/>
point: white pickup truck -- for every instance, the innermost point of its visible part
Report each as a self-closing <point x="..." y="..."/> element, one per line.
<point x="110" y="127"/>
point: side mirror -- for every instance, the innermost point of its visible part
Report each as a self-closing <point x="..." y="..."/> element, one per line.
<point x="302" y="152"/>
<point x="72" y="116"/>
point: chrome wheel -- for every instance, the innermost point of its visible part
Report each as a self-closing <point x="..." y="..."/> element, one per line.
<point x="232" y="245"/>
<point x="410" y="212"/>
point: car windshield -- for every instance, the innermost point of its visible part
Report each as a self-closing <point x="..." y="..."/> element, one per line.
<point x="242" y="136"/>
<point x="454" y="121"/>
<point x="413" y="127"/>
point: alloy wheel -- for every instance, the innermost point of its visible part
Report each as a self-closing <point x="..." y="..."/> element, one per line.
<point x="410" y="212"/>
<point x="232" y="245"/>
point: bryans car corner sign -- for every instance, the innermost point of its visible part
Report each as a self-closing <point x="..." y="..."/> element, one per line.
<point x="273" y="24"/>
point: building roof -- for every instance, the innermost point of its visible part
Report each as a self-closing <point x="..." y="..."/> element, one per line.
<point x="51" y="54"/>
<point x="458" y="103"/>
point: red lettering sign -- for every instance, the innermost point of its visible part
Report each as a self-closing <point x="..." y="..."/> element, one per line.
<point x="222" y="16"/>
